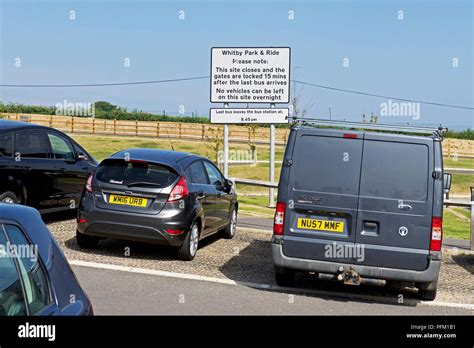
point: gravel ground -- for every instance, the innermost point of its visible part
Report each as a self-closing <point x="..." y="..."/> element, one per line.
<point x="247" y="257"/>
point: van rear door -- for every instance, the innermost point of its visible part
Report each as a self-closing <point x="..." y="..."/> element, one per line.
<point x="396" y="201"/>
<point x="323" y="194"/>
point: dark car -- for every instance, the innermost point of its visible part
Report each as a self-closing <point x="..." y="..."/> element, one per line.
<point x="361" y="207"/>
<point x="157" y="196"/>
<point x="35" y="278"/>
<point x="41" y="167"/>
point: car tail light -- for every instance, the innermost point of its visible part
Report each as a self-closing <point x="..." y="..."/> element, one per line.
<point x="279" y="219"/>
<point x="81" y="220"/>
<point x="179" y="191"/>
<point x="436" y="233"/>
<point x="174" y="232"/>
<point x="89" y="182"/>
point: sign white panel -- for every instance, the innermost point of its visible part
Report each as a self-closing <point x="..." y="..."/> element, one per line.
<point x="250" y="75"/>
<point x="268" y="116"/>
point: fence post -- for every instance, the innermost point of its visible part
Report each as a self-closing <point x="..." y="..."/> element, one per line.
<point x="158" y="129"/>
<point x="136" y="128"/>
<point x="50" y="121"/>
<point x="72" y="124"/>
<point x="115" y="126"/>
<point x="93" y="125"/>
<point x="203" y="132"/>
<point x="179" y="126"/>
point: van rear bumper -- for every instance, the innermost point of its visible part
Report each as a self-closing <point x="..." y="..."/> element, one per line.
<point x="426" y="276"/>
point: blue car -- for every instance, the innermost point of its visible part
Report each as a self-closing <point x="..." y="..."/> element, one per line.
<point x="35" y="277"/>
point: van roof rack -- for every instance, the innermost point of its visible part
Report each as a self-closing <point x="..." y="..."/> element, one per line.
<point x="375" y="126"/>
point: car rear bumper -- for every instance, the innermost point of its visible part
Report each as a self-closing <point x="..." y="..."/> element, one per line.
<point x="425" y="276"/>
<point x="136" y="227"/>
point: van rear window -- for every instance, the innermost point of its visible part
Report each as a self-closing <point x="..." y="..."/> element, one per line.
<point x="395" y="170"/>
<point x="119" y="171"/>
<point x="327" y="164"/>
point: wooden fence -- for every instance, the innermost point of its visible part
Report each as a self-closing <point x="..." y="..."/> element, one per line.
<point x="458" y="148"/>
<point x="157" y="129"/>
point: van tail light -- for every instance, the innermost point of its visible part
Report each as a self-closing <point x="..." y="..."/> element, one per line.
<point x="279" y="219"/>
<point x="436" y="233"/>
<point x="179" y="191"/>
<point x="89" y="182"/>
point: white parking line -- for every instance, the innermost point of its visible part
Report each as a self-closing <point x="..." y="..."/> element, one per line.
<point x="149" y="271"/>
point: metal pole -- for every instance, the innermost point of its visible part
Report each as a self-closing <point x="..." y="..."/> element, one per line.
<point x="226" y="146"/>
<point x="472" y="219"/>
<point x="271" y="191"/>
<point x="472" y="225"/>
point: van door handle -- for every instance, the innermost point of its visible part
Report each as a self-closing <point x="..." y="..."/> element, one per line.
<point x="370" y="228"/>
<point x="370" y="225"/>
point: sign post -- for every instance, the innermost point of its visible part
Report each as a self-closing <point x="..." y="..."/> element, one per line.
<point x="271" y="190"/>
<point x="250" y="75"/>
<point x="226" y="146"/>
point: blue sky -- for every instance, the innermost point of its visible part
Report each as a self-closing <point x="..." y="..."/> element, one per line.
<point x="409" y="58"/>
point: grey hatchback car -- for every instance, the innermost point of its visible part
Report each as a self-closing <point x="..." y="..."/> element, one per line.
<point x="157" y="196"/>
<point x="361" y="207"/>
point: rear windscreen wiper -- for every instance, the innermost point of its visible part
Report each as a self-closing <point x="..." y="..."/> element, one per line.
<point x="143" y="183"/>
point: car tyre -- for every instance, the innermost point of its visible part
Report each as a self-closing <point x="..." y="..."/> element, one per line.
<point x="229" y="231"/>
<point x="188" y="250"/>
<point x="86" y="242"/>
<point x="9" y="197"/>
<point x="285" y="276"/>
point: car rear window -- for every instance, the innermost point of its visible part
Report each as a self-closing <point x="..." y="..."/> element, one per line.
<point x="127" y="172"/>
<point x="395" y="170"/>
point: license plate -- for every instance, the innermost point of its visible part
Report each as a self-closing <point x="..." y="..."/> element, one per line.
<point x="126" y="200"/>
<point x="321" y="225"/>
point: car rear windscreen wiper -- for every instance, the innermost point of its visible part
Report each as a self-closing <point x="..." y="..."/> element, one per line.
<point x="143" y="183"/>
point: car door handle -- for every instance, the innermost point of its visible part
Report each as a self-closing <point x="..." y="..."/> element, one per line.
<point x="62" y="170"/>
<point x="219" y="194"/>
<point x="201" y="195"/>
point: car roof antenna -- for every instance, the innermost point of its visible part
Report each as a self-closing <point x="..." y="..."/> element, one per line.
<point x="169" y="138"/>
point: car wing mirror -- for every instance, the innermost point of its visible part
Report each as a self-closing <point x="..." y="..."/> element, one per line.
<point x="446" y="182"/>
<point x="228" y="185"/>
